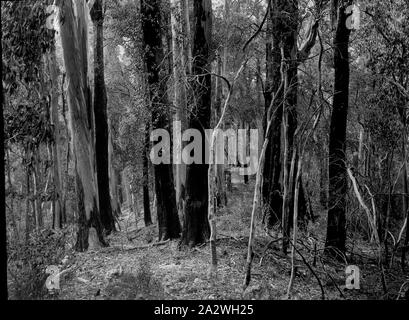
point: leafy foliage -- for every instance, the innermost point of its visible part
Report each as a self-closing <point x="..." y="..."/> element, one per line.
<point x="25" y="39"/>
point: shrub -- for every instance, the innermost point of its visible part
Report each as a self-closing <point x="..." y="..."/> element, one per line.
<point x="27" y="263"/>
<point x="141" y="285"/>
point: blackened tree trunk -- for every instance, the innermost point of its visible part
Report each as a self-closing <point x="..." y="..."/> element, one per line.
<point x="282" y="27"/>
<point x="74" y="31"/>
<point x="196" y="228"/>
<point x="221" y="196"/>
<point x="336" y="232"/>
<point x="168" y="220"/>
<point x="146" y="201"/>
<point x="101" y="120"/>
<point x="277" y="29"/>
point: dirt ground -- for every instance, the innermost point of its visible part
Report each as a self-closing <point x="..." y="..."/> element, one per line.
<point x="134" y="267"/>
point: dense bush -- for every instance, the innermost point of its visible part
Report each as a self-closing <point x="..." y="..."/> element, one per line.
<point x="27" y="263"/>
<point x="139" y="285"/>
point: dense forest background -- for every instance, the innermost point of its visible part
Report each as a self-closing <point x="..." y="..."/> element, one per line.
<point x="90" y="216"/>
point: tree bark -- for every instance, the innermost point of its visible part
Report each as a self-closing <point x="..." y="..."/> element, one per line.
<point x="38" y="216"/>
<point x="168" y="220"/>
<point x="101" y="120"/>
<point x="146" y="199"/>
<point x="27" y="215"/>
<point x="68" y="154"/>
<point x="187" y="44"/>
<point x="113" y="183"/>
<point x="180" y="98"/>
<point x="58" y="200"/>
<point x="74" y="30"/>
<point x="127" y="187"/>
<point x="336" y="232"/>
<point x="405" y="196"/>
<point x="271" y="189"/>
<point x="221" y="195"/>
<point x="196" y="228"/>
<point x="282" y="27"/>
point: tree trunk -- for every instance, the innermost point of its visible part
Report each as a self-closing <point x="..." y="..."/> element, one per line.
<point x="168" y="221"/>
<point x="336" y="232"/>
<point x="127" y="187"/>
<point x="36" y="200"/>
<point x="187" y="44"/>
<point x="101" y="120"/>
<point x="119" y="187"/>
<point x="180" y="98"/>
<point x="68" y="155"/>
<point x="282" y="27"/>
<point x="271" y="189"/>
<point x="405" y="195"/>
<point x="12" y="195"/>
<point x="323" y="163"/>
<point x="58" y="200"/>
<point x="221" y="196"/>
<point x="74" y="30"/>
<point x="146" y="200"/>
<point x="196" y="225"/>
<point x="116" y="208"/>
<point x="27" y="215"/>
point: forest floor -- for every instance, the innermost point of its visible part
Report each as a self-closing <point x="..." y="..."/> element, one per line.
<point x="139" y="269"/>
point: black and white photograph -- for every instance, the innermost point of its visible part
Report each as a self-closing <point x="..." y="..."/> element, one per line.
<point x="222" y="152"/>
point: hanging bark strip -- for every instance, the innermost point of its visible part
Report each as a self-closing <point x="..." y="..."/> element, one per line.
<point x="295" y="223"/>
<point x="212" y="174"/>
<point x="296" y="197"/>
<point x="257" y="188"/>
<point x="371" y="216"/>
<point x="286" y="179"/>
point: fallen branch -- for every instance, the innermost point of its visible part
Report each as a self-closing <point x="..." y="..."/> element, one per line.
<point x="155" y="244"/>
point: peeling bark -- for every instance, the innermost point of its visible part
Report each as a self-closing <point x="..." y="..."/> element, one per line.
<point x="74" y="30"/>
